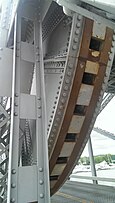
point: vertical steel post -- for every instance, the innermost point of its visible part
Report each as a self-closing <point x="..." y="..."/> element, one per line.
<point x="41" y="121"/>
<point x="14" y="129"/>
<point x="92" y="162"/>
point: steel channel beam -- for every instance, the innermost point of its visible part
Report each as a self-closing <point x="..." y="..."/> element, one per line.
<point x="41" y="121"/>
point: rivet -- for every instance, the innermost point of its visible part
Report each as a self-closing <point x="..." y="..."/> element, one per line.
<point x="41" y="195"/>
<point x="67" y="81"/>
<point x="113" y="37"/>
<point x="15" y="104"/>
<point x="16" y="94"/>
<point x="39" y="116"/>
<point x="62" y="101"/>
<point x="39" y="98"/>
<point x="1" y="48"/>
<point x="15" y="114"/>
<point x="61" y="107"/>
<point x="78" y="25"/>
<point x="39" y="107"/>
<point x="77" y="32"/>
<point x="113" y="44"/>
<point x="69" y="73"/>
<point x="110" y="57"/>
<point x="41" y="182"/>
<point x="12" y="200"/>
<point x="66" y="87"/>
<point x="75" y="39"/>
<point x="112" y="50"/>
<point x="74" y="47"/>
<point x="79" y="17"/>
<point x="52" y="135"/>
<point x="13" y="171"/>
<point x="13" y="185"/>
<point x="55" y="125"/>
<point x="40" y="169"/>
<point x="59" y="113"/>
<point x="70" y="65"/>
<point x="64" y="94"/>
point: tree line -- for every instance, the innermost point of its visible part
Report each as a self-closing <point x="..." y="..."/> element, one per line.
<point x="98" y="159"/>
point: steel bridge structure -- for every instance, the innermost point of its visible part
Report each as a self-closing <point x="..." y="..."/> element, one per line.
<point x="56" y="62"/>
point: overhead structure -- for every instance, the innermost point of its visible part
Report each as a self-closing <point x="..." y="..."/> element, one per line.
<point x="54" y="68"/>
<point x="106" y="99"/>
<point x="105" y="133"/>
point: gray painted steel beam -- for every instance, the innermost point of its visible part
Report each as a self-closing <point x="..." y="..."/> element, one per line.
<point x="105" y="133"/>
<point x="73" y="7"/>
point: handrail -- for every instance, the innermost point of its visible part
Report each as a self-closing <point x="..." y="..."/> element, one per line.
<point x="93" y="178"/>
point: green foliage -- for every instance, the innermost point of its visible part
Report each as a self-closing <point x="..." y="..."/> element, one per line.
<point x="98" y="159"/>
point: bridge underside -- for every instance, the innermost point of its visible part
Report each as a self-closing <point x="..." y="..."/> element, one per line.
<point x="54" y="68"/>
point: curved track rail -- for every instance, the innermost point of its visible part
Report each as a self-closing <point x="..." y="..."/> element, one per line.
<point x="76" y="107"/>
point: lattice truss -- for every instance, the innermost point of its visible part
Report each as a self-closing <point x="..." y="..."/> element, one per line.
<point x="4" y="143"/>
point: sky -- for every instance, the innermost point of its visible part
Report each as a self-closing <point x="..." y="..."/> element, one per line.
<point x="105" y="121"/>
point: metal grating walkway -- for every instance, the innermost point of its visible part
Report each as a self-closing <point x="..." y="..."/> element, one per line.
<point x="76" y="192"/>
